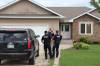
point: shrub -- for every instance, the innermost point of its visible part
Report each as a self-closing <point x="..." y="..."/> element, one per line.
<point x="77" y="45"/>
<point x="85" y="40"/>
<point x="81" y="45"/>
<point x="85" y="46"/>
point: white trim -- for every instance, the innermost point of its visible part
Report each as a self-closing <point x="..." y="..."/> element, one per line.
<point x="8" y="4"/>
<point x="86" y="28"/>
<point x="13" y="2"/>
<point x="29" y="17"/>
<point x="84" y="14"/>
<point x="71" y="20"/>
<point x="93" y="16"/>
<point x="34" y="2"/>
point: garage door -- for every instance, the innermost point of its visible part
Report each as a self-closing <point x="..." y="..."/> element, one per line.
<point x="38" y="29"/>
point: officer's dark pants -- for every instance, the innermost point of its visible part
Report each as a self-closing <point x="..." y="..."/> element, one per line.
<point x="56" y="47"/>
<point x="46" y="49"/>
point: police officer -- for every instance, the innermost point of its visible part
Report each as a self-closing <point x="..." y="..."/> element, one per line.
<point x="46" y="41"/>
<point x="57" y="40"/>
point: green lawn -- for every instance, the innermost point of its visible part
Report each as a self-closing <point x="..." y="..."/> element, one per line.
<point x="72" y="57"/>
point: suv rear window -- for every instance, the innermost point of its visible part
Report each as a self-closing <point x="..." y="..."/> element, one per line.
<point x="13" y="35"/>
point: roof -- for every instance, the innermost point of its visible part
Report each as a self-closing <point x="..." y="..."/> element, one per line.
<point x="67" y="13"/>
<point x="95" y="13"/>
<point x="70" y="12"/>
<point x="16" y="1"/>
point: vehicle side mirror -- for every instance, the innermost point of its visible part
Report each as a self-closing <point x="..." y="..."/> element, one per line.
<point x="37" y="36"/>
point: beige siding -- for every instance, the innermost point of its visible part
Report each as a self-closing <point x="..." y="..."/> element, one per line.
<point x="24" y="7"/>
<point x="53" y="23"/>
<point x="96" y="28"/>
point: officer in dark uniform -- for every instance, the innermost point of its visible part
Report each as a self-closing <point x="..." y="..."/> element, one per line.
<point x="46" y="41"/>
<point x="57" y="40"/>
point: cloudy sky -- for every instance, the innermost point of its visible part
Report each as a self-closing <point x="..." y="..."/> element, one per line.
<point x="57" y="2"/>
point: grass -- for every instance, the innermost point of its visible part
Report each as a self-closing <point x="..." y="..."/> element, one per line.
<point x="51" y="62"/>
<point x="73" y="57"/>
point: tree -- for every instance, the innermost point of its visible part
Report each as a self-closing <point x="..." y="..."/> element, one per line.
<point x="96" y="4"/>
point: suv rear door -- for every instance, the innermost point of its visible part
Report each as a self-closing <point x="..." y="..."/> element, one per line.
<point x="13" y="39"/>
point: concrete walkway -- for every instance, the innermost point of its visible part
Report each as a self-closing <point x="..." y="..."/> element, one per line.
<point x="62" y="46"/>
<point x="40" y="61"/>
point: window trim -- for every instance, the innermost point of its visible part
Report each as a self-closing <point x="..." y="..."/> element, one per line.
<point x="86" y="28"/>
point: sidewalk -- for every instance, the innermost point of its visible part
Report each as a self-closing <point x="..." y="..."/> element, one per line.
<point x="62" y="46"/>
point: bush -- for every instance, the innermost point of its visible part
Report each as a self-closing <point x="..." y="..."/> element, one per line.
<point x="85" y="40"/>
<point x="81" y="45"/>
<point x="85" y="46"/>
<point x="77" y="45"/>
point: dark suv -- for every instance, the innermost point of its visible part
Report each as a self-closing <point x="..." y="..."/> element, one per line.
<point x="18" y="44"/>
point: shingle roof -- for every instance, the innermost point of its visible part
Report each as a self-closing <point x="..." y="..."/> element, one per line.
<point x="70" y="12"/>
<point x="95" y="13"/>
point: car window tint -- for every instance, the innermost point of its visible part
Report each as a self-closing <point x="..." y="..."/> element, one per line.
<point x="13" y="36"/>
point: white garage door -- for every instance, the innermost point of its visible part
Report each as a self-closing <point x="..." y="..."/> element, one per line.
<point x="38" y="29"/>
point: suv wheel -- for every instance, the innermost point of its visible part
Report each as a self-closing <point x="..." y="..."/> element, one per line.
<point x="32" y="61"/>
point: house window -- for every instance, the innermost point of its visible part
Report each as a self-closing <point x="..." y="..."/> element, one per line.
<point x="64" y="27"/>
<point x="82" y="28"/>
<point x="89" y="28"/>
<point x="86" y="28"/>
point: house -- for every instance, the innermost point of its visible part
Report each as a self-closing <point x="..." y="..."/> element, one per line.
<point x="68" y="13"/>
<point x="73" y="22"/>
<point x="28" y="14"/>
<point x="79" y="22"/>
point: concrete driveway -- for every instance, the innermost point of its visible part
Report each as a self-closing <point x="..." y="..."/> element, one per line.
<point x="40" y="61"/>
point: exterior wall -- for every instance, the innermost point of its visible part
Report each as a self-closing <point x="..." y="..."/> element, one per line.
<point x="96" y="31"/>
<point x="53" y="23"/>
<point x="24" y="7"/>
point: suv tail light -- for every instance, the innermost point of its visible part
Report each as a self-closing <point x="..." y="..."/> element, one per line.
<point x="29" y="43"/>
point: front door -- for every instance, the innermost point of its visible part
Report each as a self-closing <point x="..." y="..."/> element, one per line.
<point x="65" y="31"/>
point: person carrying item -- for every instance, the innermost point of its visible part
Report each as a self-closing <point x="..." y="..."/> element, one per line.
<point x="57" y="41"/>
<point x="47" y="47"/>
<point x="51" y="33"/>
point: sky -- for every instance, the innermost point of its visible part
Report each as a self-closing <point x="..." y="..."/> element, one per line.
<point x="57" y="2"/>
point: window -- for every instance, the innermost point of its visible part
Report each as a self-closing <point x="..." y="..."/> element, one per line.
<point x="86" y="28"/>
<point x="82" y="28"/>
<point x="13" y="35"/>
<point x="65" y="27"/>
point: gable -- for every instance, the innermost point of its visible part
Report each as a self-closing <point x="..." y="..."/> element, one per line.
<point x="87" y="18"/>
<point x="25" y="7"/>
<point x="95" y="13"/>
